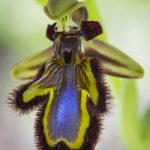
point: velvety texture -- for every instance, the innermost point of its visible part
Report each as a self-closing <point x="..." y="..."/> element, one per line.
<point x="64" y="119"/>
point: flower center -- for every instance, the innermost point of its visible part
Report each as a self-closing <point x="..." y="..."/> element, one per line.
<point x="65" y="23"/>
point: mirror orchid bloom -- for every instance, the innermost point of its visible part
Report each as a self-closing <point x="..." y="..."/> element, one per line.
<point x="67" y="82"/>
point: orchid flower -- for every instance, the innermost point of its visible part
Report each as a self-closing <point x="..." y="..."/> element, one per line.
<point x="67" y="79"/>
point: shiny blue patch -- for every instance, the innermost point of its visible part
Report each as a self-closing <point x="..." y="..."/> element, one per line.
<point x="65" y="114"/>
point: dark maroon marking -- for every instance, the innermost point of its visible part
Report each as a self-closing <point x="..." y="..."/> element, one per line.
<point x="67" y="57"/>
<point x="50" y="32"/>
<point x="67" y="35"/>
<point x="91" y="29"/>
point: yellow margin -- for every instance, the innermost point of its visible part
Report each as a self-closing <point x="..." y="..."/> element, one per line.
<point x="34" y="91"/>
<point x="84" y="123"/>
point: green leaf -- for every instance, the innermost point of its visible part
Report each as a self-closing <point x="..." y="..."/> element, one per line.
<point x="144" y="123"/>
<point x="42" y="2"/>
<point x="134" y="128"/>
<point x="128" y="115"/>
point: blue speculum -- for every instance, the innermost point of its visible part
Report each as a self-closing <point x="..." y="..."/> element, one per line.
<point x="64" y="116"/>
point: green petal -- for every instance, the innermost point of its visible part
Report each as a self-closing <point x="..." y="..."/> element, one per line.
<point x="114" y="61"/>
<point x="29" y="67"/>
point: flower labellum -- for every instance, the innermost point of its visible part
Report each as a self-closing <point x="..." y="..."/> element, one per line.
<point x="67" y="84"/>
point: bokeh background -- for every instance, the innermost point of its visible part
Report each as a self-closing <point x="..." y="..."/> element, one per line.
<point x="22" y="34"/>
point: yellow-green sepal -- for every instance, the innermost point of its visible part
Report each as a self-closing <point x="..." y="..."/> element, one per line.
<point x="28" y="68"/>
<point x="114" y="61"/>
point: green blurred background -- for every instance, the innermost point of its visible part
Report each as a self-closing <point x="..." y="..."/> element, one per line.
<point x="22" y="34"/>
